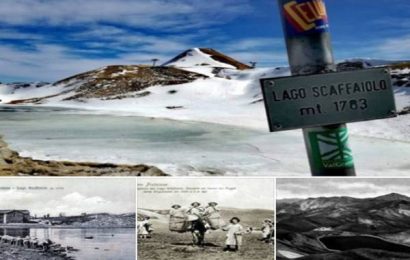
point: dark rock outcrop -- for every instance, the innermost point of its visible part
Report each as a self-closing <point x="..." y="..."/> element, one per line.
<point x="11" y="164"/>
<point x="116" y="82"/>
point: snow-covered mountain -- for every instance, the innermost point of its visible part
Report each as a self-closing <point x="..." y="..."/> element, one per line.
<point x="199" y="84"/>
<point x="206" y="61"/>
<point x="108" y="83"/>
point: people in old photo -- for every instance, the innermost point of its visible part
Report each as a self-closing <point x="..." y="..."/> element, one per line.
<point x="267" y="230"/>
<point x="144" y="228"/>
<point x="233" y="235"/>
<point x="210" y="223"/>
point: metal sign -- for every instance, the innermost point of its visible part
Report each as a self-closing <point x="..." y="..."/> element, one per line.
<point x="326" y="99"/>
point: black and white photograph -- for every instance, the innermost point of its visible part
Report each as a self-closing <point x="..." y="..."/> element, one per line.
<point x="212" y="218"/>
<point x="59" y="219"/>
<point x="343" y="219"/>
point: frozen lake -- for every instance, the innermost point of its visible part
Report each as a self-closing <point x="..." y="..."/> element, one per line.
<point x="178" y="147"/>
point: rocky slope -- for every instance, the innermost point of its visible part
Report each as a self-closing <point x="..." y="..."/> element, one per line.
<point x="301" y="224"/>
<point x="123" y="81"/>
<point x="112" y="82"/>
<point x="11" y="163"/>
<point x="101" y="220"/>
<point x="8" y="252"/>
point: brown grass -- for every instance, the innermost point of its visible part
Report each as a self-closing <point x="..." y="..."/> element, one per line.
<point x="165" y="245"/>
<point x="401" y="65"/>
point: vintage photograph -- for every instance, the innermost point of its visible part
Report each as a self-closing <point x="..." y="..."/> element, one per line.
<point x="212" y="218"/>
<point x="76" y="218"/>
<point x="343" y="219"/>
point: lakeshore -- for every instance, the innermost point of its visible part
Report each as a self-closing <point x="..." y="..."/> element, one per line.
<point x="12" y="164"/>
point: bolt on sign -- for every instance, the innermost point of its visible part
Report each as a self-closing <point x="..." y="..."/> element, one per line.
<point x="328" y="99"/>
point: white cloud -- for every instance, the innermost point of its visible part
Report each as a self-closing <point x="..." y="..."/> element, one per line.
<point x="109" y="37"/>
<point x="153" y="13"/>
<point x="52" y="62"/>
<point x="13" y="198"/>
<point x="264" y="58"/>
<point x="10" y="34"/>
<point x="394" y="48"/>
<point x="71" y="196"/>
<point x="256" y="43"/>
<point x="358" y="188"/>
<point x="104" y="32"/>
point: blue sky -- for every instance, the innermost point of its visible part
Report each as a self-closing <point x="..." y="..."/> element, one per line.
<point x="52" y="39"/>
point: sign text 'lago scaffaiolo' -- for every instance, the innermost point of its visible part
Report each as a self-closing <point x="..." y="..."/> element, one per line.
<point x="326" y="99"/>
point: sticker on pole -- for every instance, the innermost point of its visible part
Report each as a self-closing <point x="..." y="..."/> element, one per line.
<point x="331" y="149"/>
<point x="305" y="17"/>
<point x="327" y="99"/>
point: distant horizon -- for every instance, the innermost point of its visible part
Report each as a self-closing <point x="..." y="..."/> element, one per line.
<point x="342" y="196"/>
<point x="360" y="188"/>
<point x="147" y="64"/>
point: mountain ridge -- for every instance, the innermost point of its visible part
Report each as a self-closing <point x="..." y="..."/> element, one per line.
<point x="299" y="228"/>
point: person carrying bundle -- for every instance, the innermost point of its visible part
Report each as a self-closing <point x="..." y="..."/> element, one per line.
<point x="193" y="222"/>
<point x="196" y="217"/>
<point x="212" y="216"/>
<point x="196" y="209"/>
<point x="178" y="219"/>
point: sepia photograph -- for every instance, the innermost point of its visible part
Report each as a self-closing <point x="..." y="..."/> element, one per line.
<point x="213" y="219"/>
<point x="67" y="219"/>
<point x="343" y="219"/>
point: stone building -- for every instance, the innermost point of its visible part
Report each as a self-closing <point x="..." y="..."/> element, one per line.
<point x="14" y="216"/>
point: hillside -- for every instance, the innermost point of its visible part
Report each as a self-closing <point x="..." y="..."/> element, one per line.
<point x="108" y="83"/>
<point x="200" y="84"/>
<point x="302" y="223"/>
<point x="103" y="220"/>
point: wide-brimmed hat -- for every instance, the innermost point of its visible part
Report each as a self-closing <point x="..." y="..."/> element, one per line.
<point x="197" y="203"/>
<point x="212" y="203"/>
<point x="176" y="206"/>
<point x="235" y="218"/>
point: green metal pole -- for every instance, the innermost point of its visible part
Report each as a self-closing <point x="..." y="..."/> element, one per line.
<point x="309" y="49"/>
